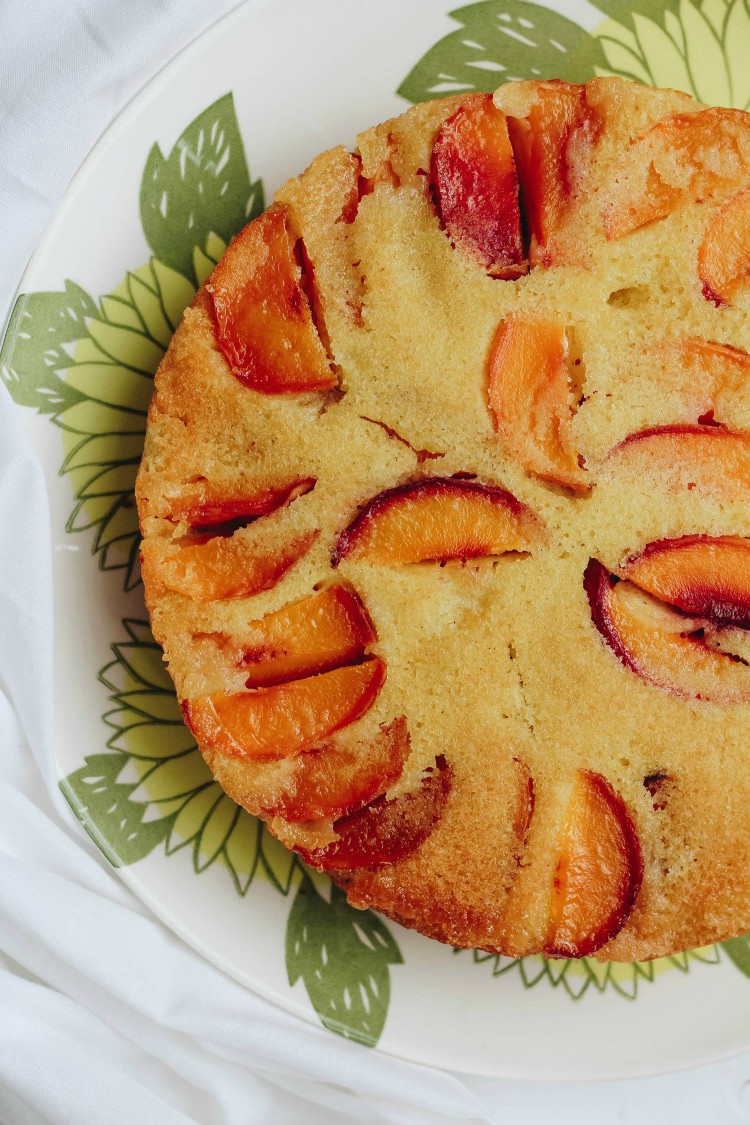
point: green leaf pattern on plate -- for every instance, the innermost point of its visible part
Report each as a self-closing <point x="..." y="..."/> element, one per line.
<point x="701" y="48"/>
<point x="502" y="41"/>
<point x="35" y="349"/>
<point x="577" y="977"/>
<point x="343" y="957"/>
<point x="157" y="771"/>
<point x="89" y="367"/>
<point x="201" y="190"/>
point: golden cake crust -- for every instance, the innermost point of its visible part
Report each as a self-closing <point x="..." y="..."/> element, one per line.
<point x="496" y="665"/>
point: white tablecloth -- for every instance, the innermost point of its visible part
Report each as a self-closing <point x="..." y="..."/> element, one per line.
<point x="105" y="1016"/>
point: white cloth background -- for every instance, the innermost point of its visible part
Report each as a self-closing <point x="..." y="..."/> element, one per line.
<point x="105" y="1017"/>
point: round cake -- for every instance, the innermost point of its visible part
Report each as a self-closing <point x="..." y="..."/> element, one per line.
<point x="446" y="533"/>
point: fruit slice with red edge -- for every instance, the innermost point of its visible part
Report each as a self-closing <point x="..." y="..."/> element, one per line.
<point x="599" y="872"/>
<point x="661" y="645"/>
<point x="225" y="567"/>
<point x="262" y="314"/>
<point x="708" y="373"/>
<point x="474" y="181"/>
<point x="324" y="631"/>
<point x="525" y="801"/>
<point x="386" y="831"/>
<point x="679" y="155"/>
<point x="436" y="519"/>
<point x="529" y="398"/>
<point x="342" y="775"/>
<point x="552" y="142"/>
<point x="708" y="458"/>
<point x="281" y="721"/>
<point x="706" y="576"/>
<point x="214" y="510"/>
<point x="724" y="253"/>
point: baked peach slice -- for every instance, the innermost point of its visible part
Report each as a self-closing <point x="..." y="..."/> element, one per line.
<point x="724" y="253"/>
<point x="709" y="458"/>
<point x="599" y="872"/>
<point x="529" y="397"/>
<point x="284" y="720"/>
<point x="435" y="519"/>
<point x="385" y="831"/>
<point x="709" y="373"/>
<point x="702" y="575"/>
<point x="679" y="154"/>
<point x="525" y="801"/>
<point x="664" y="646"/>
<point x="552" y="142"/>
<point x="325" y="630"/>
<point x="474" y="181"/>
<point x="342" y="775"/>
<point x="222" y="567"/>
<point x="213" y="511"/>
<point x="262" y="315"/>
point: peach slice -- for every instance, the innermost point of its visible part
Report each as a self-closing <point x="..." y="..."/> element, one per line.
<point x="474" y="181"/>
<point x="529" y="398"/>
<point x="386" y="831"/>
<point x="342" y="775"/>
<point x="351" y="184"/>
<point x="525" y="803"/>
<point x="707" y="371"/>
<point x="551" y="144"/>
<point x="724" y="253"/>
<point x="710" y="458"/>
<point x="599" y="872"/>
<point x="699" y="574"/>
<point x="213" y="510"/>
<point x="435" y="519"/>
<point x="262" y="315"/>
<point x="679" y="154"/>
<point x="313" y="635"/>
<point x="281" y="721"/>
<point x="227" y="567"/>
<point x="663" y="646"/>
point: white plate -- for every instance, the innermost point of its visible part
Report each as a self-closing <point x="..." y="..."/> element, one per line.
<point x="290" y="79"/>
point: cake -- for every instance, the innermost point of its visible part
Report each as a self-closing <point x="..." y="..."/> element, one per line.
<point x="446" y="534"/>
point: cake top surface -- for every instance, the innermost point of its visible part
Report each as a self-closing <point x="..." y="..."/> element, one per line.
<point x="444" y="504"/>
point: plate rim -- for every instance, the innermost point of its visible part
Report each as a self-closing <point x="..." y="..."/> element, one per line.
<point x="286" y="1002"/>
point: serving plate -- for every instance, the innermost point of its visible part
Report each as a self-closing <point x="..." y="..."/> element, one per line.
<point x="200" y="151"/>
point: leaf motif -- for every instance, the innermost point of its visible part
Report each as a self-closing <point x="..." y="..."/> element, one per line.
<point x="277" y="863"/>
<point x="91" y="366"/>
<point x="242" y="850"/>
<point x="622" y="9"/>
<point x="499" y="41"/>
<point x="738" y="951"/>
<point x="34" y="349"/>
<point x="187" y="825"/>
<point x="201" y="189"/>
<point x="173" y="777"/>
<point x="145" y="664"/>
<point x="108" y="812"/>
<point x="577" y="977"/>
<point x="700" y="48"/>
<point x="623" y="52"/>
<point x="705" y="57"/>
<point x="736" y="40"/>
<point x="111" y="371"/>
<point x="164" y="791"/>
<point x="215" y="831"/>
<point x="661" y="54"/>
<point x="155" y="741"/>
<point x="342" y="956"/>
<point x="715" y="11"/>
